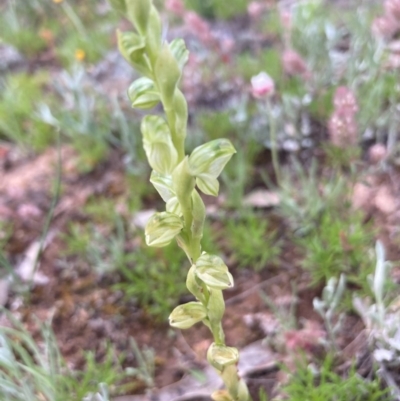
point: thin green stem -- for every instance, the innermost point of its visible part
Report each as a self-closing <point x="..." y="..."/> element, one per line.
<point x="274" y="142"/>
<point x="178" y="142"/>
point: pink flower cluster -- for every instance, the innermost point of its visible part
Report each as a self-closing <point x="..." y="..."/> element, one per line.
<point x="201" y="29"/>
<point x="306" y="339"/>
<point x="255" y="9"/>
<point x="294" y="64"/>
<point x="342" y="126"/>
<point x="387" y="25"/>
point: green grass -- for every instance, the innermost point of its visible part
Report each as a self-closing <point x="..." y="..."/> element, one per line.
<point x="338" y="244"/>
<point x="31" y="370"/>
<point x="217" y="8"/>
<point x="18" y="101"/>
<point x="326" y="385"/>
<point x="155" y="269"/>
<point x="253" y="242"/>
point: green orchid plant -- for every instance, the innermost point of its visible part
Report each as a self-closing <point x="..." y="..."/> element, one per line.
<point x="178" y="178"/>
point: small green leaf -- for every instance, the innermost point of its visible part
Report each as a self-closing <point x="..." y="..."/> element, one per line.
<point x="153" y="34"/>
<point x="138" y="13"/>
<point x="167" y="73"/>
<point x="162" y="228"/>
<point x="143" y="94"/>
<point x="185" y="316"/>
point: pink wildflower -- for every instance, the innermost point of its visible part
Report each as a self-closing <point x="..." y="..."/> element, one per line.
<point x="342" y="125"/>
<point x="306" y="338"/>
<point x="175" y="6"/>
<point x="385" y="27"/>
<point x="255" y="9"/>
<point x="293" y="63"/>
<point x="198" y="26"/>
<point x="392" y="9"/>
<point x="262" y="85"/>
<point x="286" y="19"/>
<point x="342" y="130"/>
<point x="345" y="101"/>
<point x="377" y="153"/>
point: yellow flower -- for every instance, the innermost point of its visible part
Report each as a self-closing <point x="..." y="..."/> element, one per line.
<point x="58" y="1"/>
<point x="79" y="53"/>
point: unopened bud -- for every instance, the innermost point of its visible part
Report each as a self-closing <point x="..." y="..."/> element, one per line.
<point x="143" y="94"/>
<point x="293" y="63"/>
<point x="213" y="271"/>
<point x="220" y="356"/>
<point x="262" y="85"/>
<point x="377" y="153"/>
<point x="162" y="228"/>
<point x="185" y="316"/>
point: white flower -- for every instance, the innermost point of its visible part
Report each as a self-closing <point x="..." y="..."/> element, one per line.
<point x="262" y="85"/>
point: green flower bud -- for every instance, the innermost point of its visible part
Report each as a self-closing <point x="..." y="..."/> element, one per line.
<point x="157" y="143"/>
<point x="132" y="47"/>
<point x="180" y="52"/>
<point x="143" y="94"/>
<point x="221" y="395"/>
<point x="207" y="162"/>
<point x="162" y="228"/>
<point x="167" y="73"/>
<point x="185" y="316"/>
<point x="138" y="14"/>
<point x="213" y="271"/>
<point x="221" y="356"/>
